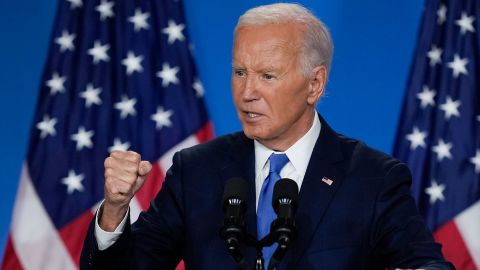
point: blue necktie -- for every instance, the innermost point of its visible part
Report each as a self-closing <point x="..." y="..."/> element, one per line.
<point x="265" y="212"/>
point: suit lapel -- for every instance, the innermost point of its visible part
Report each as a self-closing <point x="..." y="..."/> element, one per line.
<point x="316" y="194"/>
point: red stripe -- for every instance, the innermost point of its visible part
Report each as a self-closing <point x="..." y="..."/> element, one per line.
<point x="151" y="186"/>
<point x="73" y="235"/>
<point x="205" y="133"/>
<point x="453" y="247"/>
<point x="180" y="266"/>
<point x="10" y="259"/>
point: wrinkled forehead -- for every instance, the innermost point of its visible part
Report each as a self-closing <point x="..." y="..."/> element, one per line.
<point x="268" y="40"/>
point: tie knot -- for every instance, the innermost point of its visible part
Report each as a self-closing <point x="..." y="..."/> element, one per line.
<point x="277" y="162"/>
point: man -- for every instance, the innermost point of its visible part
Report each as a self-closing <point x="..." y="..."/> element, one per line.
<point x="354" y="209"/>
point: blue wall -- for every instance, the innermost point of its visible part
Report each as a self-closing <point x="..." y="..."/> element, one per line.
<point x="374" y="43"/>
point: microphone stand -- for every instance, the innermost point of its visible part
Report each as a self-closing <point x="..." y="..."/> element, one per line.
<point x="279" y="232"/>
<point x="282" y="231"/>
<point x="267" y="241"/>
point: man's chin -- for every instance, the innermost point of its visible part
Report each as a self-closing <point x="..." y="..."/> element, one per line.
<point x="252" y="135"/>
<point x="249" y="135"/>
<point x="255" y="135"/>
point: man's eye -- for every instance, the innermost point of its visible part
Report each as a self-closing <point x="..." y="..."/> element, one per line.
<point x="239" y="73"/>
<point x="268" y="77"/>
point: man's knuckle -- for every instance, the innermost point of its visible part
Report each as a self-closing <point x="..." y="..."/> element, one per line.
<point x="108" y="172"/>
<point x="108" y="180"/>
<point x="116" y="154"/>
<point x="108" y="162"/>
<point x="134" y="156"/>
<point x="131" y="168"/>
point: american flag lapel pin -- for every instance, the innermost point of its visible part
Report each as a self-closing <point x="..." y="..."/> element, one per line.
<point x="327" y="181"/>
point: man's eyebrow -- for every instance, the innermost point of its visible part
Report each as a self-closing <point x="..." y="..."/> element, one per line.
<point x="237" y="67"/>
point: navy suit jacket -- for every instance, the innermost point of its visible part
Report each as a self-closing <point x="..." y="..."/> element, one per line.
<point x="366" y="219"/>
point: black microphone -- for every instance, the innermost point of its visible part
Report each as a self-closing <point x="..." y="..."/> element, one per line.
<point x="234" y="204"/>
<point x="284" y="201"/>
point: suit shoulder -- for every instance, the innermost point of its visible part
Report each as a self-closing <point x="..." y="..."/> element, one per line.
<point x="211" y="150"/>
<point x="367" y="161"/>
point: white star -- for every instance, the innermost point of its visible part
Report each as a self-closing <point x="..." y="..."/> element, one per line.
<point x="65" y="41"/>
<point x="174" y="31"/>
<point x="435" y="191"/>
<point x="99" y="52"/>
<point x="442" y="14"/>
<point x="168" y="75"/>
<point x="56" y="84"/>
<point x="435" y="55"/>
<point x="162" y="117"/>
<point x="197" y="85"/>
<point x="119" y="146"/>
<point x="47" y="126"/>
<point x="478" y="118"/>
<point x="75" y="3"/>
<point x="476" y="161"/>
<point x="126" y="106"/>
<point x="417" y="138"/>
<point x="442" y="150"/>
<point x="91" y="95"/>
<point x="139" y="20"/>
<point x="105" y="9"/>
<point x="450" y="108"/>
<point x="133" y="63"/>
<point x="83" y="138"/>
<point x="465" y="23"/>
<point x="426" y="97"/>
<point x="458" y="65"/>
<point x="73" y="181"/>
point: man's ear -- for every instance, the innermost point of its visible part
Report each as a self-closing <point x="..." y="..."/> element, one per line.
<point x="316" y="85"/>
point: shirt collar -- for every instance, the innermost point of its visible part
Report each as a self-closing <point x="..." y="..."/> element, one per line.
<point x="299" y="153"/>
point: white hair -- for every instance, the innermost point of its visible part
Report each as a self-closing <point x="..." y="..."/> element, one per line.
<point x="317" y="46"/>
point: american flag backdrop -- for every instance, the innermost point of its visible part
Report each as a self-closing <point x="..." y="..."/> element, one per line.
<point x="439" y="130"/>
<point x="119" y="75"/>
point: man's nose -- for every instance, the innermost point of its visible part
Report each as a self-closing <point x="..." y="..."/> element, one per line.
<point x="250" y="92"/>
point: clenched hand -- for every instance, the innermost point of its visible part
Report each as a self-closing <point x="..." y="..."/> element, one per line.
<point x="125" y="173"/>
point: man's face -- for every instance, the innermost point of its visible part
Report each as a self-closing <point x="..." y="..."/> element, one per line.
<point x="274" y="100"/>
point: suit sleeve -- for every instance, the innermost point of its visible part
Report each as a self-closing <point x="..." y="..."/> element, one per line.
<point x="154" y="241"/>
<point x="400" y="236"/>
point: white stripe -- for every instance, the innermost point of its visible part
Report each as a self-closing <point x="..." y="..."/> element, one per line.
<point x="135" y="209"/>
<point x="35" y="239"/>
<point x="468" y="223"/>
<point x="166" y="160"/>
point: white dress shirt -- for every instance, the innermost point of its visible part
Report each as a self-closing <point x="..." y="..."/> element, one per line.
<point x="106" y="239"/>
<point x="298" y="155"/>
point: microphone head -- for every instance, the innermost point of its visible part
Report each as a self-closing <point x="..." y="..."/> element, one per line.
<point x="235" y="191"/>
<point x="285" y="191"/>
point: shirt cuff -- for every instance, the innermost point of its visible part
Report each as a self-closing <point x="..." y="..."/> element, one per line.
<point x="106" y="239"/>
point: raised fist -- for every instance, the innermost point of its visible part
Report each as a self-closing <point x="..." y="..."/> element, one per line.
<point x="125" y="173"/>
